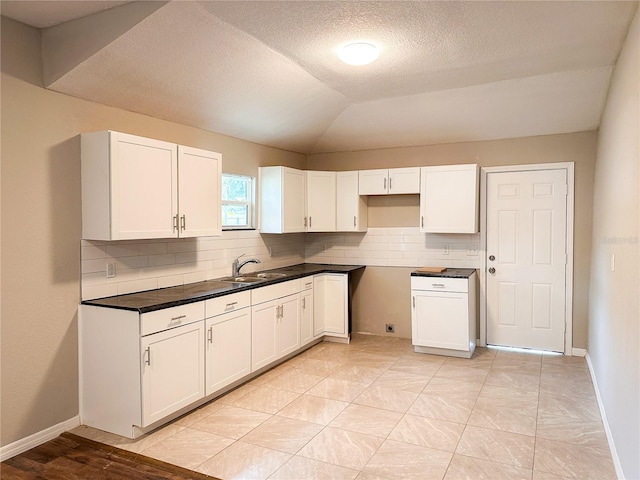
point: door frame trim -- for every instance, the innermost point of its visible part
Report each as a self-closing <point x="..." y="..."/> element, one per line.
<point x="482" y="277"/>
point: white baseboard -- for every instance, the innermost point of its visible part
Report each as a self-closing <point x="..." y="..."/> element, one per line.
<point x="605" y="422"/>
<point x="38" y="438"/>
<point x="578" y="352"/>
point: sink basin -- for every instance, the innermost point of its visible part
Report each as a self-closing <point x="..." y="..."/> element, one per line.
<point x="271" y="275"/>
<point x="242" y="279"/>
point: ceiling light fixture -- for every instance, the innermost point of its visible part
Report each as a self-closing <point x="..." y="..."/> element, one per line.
<point x="359" y="53"/>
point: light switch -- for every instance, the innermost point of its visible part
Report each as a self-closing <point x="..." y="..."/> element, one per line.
<point x="111" y="269"/>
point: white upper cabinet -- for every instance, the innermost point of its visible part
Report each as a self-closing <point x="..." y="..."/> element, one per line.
<point x="389" y="181"/>
<point x="282" y="199"/>
<point x="321" y="201"/>
<point x="449" y="199"/>
<point x="130" y="188"/>
<point x="199" y="192"/>
<point x="351" y="207"/>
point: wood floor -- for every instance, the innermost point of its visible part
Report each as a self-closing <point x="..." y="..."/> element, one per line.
<point x="70" y="457"/>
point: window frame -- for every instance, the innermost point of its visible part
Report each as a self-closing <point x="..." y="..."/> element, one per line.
<point x="250" y="203"/>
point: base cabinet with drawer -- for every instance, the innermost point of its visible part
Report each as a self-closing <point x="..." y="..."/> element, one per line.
<point x="306" y="311"/>
<point x="228" y="340"/>
<point x="443" y="315"/>
<point x="137" y="369"/>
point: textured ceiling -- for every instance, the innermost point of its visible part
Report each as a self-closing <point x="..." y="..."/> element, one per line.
<point x="268" y="71"/>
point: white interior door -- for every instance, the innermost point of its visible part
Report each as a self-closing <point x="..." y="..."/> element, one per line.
<point x="526" y="258"/>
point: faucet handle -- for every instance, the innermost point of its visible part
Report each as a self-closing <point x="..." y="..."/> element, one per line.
<point x="239" y="256"/>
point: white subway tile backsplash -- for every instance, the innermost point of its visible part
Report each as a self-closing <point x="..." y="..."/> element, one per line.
<point x="148" y="264"/>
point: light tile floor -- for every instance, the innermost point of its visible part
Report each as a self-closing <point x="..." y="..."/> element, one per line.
<point x="375" y="410"/>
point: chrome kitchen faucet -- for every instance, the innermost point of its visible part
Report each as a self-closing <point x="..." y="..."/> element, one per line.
<point x="237" y="265"/>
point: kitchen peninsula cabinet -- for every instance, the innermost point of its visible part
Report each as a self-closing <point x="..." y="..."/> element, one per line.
<point x="449" y="199"/>
<point x="282" y="192"/>
<point x="228" y="340"/>
<point x="351" y="207"/>
<point x="389" y="181"/>
<point x="306" y="312"/>
<point x="331" y="306"/>
<point x="139" y="188"/>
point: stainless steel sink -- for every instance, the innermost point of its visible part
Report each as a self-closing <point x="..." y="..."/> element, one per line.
<point x="242" y="279"/>
<point x="271" y="275"/>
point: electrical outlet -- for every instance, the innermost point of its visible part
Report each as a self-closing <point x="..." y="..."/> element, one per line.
<point x="472" y="251"/>
<point x="111" y="269"/>
<point x="389" y="328"/>
<point x="445" y="250"/>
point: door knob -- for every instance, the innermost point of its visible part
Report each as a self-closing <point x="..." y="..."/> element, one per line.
<point x="492" y="257"/>
<point x="492" y="270"/>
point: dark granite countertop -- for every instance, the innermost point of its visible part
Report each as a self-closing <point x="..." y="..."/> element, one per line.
<point x="151" y="300"/>
<point x="448" y="273"/>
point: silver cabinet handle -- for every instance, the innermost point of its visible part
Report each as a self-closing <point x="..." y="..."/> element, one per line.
<point x="308" y="284"/>
<point x="385" y="184"/>
<point x="414" y="302"/>
<point x="390" y="183"/>
<point x="231" y="305"/>
<point x="422" y="221"/>
<point x="438" y="285"/>
<point x="309" y="221"/>
<point x="305" y="221"/>
<point x="175" y="222"/>
<point x="177" y="319"/>
<point x="354" y="220"/>
<point x="304" y="307"/>
<point x="147" y="353"/>
<point x="183" y="222"/>
<point x="210" y="334"/>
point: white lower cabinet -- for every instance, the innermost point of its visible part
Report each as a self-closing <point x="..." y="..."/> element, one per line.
<point x="228" y="349"/>
<point x="331" y="305"/>
<point x="275" y="326"/>
<point x="443" y="315"/>
<point x="172" y="371"/>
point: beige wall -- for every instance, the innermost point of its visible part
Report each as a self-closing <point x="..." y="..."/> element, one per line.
<point x="41" y="227"/>
<point x="614" y="311"/>
<point x="576" y="147"/>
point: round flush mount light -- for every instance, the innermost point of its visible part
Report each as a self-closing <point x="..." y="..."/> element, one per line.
<point x="358" y="53"/>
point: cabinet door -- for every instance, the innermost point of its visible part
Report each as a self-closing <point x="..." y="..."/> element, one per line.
<point x="404" y="180"/>
<point x="144" y="186"/>
<point x="335" y="304"/>
<point x="440" y="319"/>
<point x="321" y="201"/>
<point x="172" y="371"/>
<point x="351" y="208"/>
<point x="293" y="199"/>
<point x="449" y="199"/>
<point x="373" y="182"/>
<point x="318" y="305"/>
<point x="199" y="192"/>
<point x="289" y="325"/>
<point x="264" y="340"/>
<point x="228" y="351"/>
<point x="306" y="316"/>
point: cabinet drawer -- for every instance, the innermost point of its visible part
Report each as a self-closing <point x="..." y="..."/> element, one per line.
<point x="279" y="290"/>
<point x="227" y="303"/>
<point x="166" y="318"/>
<point x="440" y="284"/>
<point x="306" y="283"/>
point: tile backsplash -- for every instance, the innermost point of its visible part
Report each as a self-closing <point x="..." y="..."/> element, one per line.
<point x="149" y="264"/>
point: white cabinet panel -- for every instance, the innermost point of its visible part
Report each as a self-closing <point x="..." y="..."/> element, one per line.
<point x="264" y="334"/>
<point x="228" y="349"/>
<point x="199" y="192"/>
<point x="321" y="201"/>
<point x="449" y="199"/>
<point x="351" y="207"/>
<point x="282" y="199"/>
<point x="289" y="325"/>
<point x="172" y="371"/>
<point x="306" y="312"/>
<point x="373" y="182"/>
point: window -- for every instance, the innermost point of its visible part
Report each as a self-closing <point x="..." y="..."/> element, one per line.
<point x="237" y="201"/>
